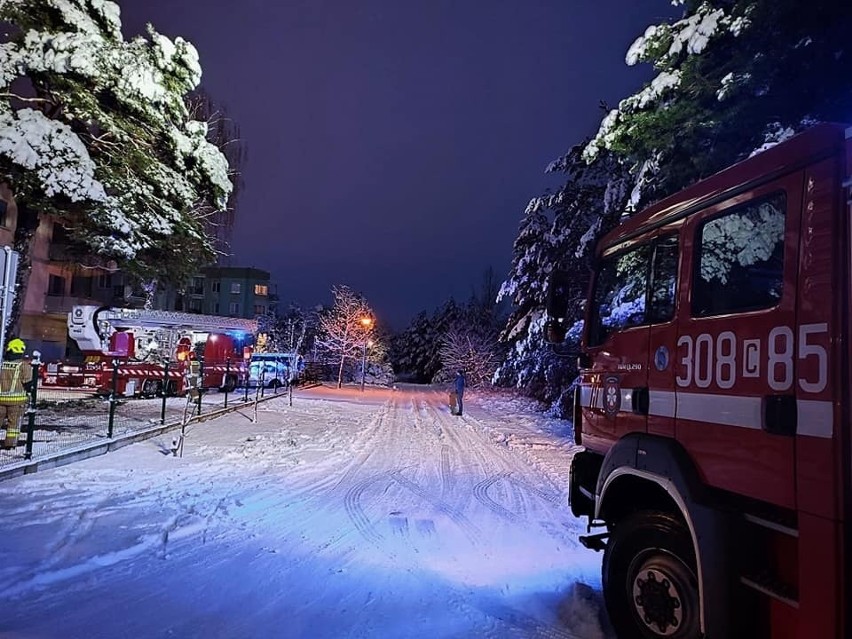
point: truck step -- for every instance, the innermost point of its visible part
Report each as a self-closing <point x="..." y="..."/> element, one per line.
<point x="779" y="524"/>
<point x="594" y="542"/>
<point x="773" y="587"/>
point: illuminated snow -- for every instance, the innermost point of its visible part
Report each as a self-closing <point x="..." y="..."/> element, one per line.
<point x="53" y="151"/>
<point x="371" y="514"/>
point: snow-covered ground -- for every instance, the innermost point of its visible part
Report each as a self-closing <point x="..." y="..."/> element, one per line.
<point x="349" y="514"/>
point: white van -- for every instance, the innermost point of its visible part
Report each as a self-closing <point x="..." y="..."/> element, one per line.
<point x="272" y="368"/>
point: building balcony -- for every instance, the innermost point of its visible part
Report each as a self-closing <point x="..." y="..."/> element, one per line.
<point x="62" y="304"/>
<point x="61" y="253"/>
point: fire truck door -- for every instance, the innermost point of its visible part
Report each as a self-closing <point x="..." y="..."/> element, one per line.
<point x="662" y="298"/>
<point x="735" y="362"/>
<point x="614" y="387"/>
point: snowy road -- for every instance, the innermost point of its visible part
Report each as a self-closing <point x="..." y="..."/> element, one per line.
<point x="346" y="515"/>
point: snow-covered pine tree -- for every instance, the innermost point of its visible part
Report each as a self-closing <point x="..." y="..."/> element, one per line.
<point x="558" y="232"/>
<point x="95" y="131"/>
<point x="732" y="76"/>
<point x="411" y="351"/>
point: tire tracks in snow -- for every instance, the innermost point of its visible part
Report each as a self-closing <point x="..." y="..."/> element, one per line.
<point x="367" y="438"/>
<point x="355" y="512"/>
<point x="480" y="491"/>
<point x="469" y="528"/>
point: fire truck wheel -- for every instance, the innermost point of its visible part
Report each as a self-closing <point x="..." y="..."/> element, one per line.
<point x="152" y="387"/>
<point x="649" y="579"/>
<point x="230" y="384"/>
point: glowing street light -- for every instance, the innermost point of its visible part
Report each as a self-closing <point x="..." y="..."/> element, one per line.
<point x="367" y="323"/>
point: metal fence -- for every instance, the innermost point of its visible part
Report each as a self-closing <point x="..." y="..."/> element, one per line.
<point x="63" y="417"/>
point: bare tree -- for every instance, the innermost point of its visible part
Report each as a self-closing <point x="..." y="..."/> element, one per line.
<point x="345" y="329"/>
<point x="477" y="353"/>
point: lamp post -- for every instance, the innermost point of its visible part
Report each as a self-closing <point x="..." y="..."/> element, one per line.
<point x="367" y="323"/>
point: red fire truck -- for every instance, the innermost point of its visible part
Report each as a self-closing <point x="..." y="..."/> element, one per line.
<point x="714" y="400"/>
<point x="141" y="341"/>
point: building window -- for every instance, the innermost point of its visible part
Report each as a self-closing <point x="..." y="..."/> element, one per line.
<point x="197" y="286"/>
<point x="216" y="286"/>
<point x="2" y="212"/>
<point x="194" y="306"/>
<point x="59" y="235"/>
<point x="55" y="286"/>
<point x="216" y="307"/>
<point x="261" y="289"/>
<point x="259" y="309"/>
<point x="740" y="265"/>
<point x="235" y="288"/>
<point x="81" y="286"/>
<point x="235" y="308"/>
<point x="105" y="280"/>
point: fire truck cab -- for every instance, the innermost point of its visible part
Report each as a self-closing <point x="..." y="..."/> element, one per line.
<point x="149" y="352"/>
<point x="713" y="402"/>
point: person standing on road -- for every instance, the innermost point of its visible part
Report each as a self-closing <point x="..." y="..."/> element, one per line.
<point x="460" y="384"/>
<point x="15" y="377"/>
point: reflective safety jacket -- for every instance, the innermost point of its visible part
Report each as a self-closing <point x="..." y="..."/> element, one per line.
<point x="12" y="377"/>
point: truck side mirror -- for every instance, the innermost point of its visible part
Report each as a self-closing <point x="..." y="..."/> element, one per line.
<point x="557" y="295"/>
<point x="554" y="331"/>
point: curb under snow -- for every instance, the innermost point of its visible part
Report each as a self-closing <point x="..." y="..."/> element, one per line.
<point x="97" y="448"/>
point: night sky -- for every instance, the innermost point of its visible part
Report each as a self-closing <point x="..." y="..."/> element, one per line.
<point x="393" y="145"/>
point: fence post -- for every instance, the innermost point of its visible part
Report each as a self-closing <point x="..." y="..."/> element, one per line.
<point x="165" y="391"/>
<point x="246" y="380"/>
<point x="32" y="408"/>
<point x="112" y="398"/>
<point x="227" y="379"/>
<point x="200" y="383"/>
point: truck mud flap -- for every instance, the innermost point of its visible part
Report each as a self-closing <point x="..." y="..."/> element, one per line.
<point x="585" y="467"/>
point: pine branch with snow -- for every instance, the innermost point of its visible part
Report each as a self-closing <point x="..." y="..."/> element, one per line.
<point x="103" y="139"/>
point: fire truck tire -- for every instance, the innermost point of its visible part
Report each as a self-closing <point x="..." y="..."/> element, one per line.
<point x="230" y="384"/>
<point x="649" y="581"/>
<point x="151" y="387"/>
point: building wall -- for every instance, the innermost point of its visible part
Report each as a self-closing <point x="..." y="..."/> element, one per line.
<point x="8" y="216"/>
<point x="236" y="291"/>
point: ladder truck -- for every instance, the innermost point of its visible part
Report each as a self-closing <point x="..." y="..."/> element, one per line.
<point x="150" y="352"/>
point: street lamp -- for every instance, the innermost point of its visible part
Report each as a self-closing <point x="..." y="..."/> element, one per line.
<point x="367" y="323"/>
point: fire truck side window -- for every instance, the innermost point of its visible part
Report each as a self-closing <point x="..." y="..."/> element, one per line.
<point x="620" y="291"/>
<point x="740" y="259"/>
<point x="663" y="280"/>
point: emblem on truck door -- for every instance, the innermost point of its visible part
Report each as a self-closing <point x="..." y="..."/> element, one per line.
<point x="661" y="358"/>
<point x="612" y="396"/>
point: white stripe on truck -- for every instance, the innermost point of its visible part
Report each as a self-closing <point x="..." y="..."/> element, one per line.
<point x="815" y="418"/>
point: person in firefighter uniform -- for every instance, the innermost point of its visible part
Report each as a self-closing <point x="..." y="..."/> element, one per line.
<point x="15" y="378"/>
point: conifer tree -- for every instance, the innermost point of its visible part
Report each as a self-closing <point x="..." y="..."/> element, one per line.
<point x="95" y="130"/>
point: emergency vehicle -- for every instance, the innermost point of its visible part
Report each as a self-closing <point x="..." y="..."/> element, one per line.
<point x="141" y="341"/>
<point x="714" y="402"/>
